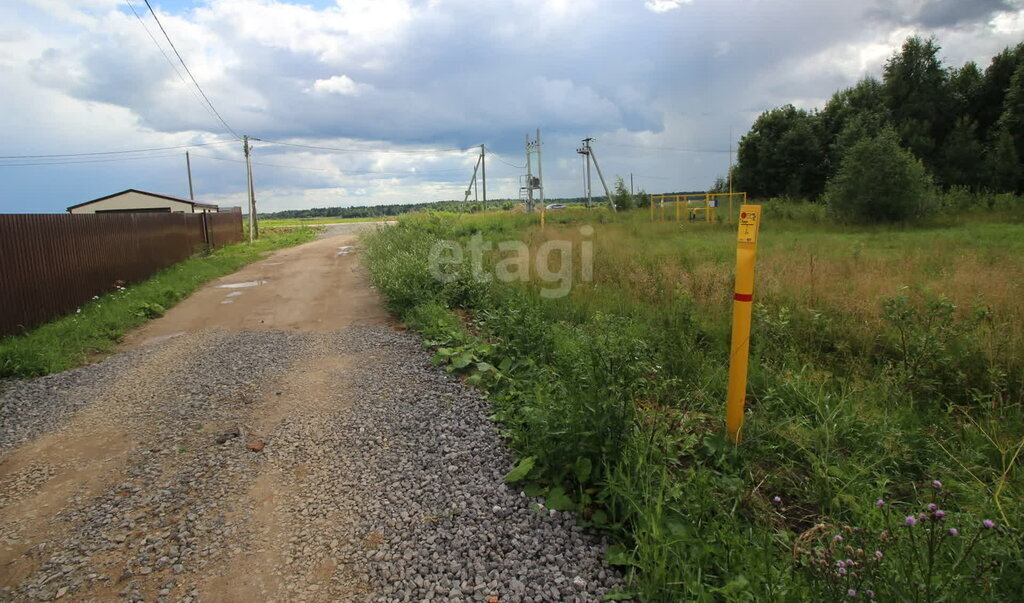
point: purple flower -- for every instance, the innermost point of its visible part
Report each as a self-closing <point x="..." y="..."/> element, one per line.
<point x="869" y="594"/>
<point x="842" y="571"/>
<point x="936" y="484"/>
<point x="954" y="532"/>
<point x="922" y="516"/>
<point x="932" y="507"/>
<point x="988" y="524"/>
<point x="910" y="520"/>
<point x="837" y="538"/>
<point x="940" y="514"/>
<point x="879" y="555"/>
<point x="851" y="593"/>
<point x="777" y="500"/>
<point x="840" y="564"/>
<point x="879" y="503"/>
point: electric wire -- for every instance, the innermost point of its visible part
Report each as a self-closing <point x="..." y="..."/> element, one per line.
<point x="357" y="172"/>
<point x="76" y="161"/>
<point x="169" y="61"/>
<point x="518" y="167"/>
<point x="352" y="150"/>
<point x="189" y="72"/>
<point x="59" y="155"/>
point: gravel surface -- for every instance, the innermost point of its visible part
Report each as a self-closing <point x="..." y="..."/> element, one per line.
<point x="285" y="466"/>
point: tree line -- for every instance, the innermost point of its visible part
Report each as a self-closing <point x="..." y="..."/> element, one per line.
<point x="941" y="126"/>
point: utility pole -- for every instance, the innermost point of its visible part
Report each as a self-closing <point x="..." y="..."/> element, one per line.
<point x="585" y="151"/>
<point x="529" y="178"/>
<point x="540" y="171"/>
<point x="631" y="184"/>
<point x="729" y="175"/>
<point x="483" y="171"/>
<point x="253" y="232"/>
<point x="597" y="166"/>
<point x="473" y="181"/>
<point x="188" y="166"/>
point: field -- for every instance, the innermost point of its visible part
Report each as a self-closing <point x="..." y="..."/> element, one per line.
<point x="284" y="223"/>
<point x="887" y="375"/>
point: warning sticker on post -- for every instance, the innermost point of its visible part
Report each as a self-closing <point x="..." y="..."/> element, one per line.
<point x="750" y="221"/>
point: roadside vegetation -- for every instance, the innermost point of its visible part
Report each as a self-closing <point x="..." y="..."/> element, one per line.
<point x="884" y="435"/>
<point x="98" y="325"/>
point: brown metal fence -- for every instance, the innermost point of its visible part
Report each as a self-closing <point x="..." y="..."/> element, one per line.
<point x="51" y="264"/>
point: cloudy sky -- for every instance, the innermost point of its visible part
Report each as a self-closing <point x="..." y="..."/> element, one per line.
<point x="404" y="87"/>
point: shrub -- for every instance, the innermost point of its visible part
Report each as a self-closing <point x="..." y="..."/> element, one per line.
<point x="879" y="181"/>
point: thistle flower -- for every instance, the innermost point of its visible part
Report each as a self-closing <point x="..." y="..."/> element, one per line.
<point x="954" y="532"/>
<point x="879" y="554"/>
<point x="939" y="514"/>
<point x="936" y="484"/>
<point x="851" y="593"/>
<point x="777" y="500"/>
<point x="842" y="571"/>
<point x="911" y="520"/>
<point x="840" y="564"/>
<point x="922" y="516"/>
<point x="988" y="524"/>
<point x="838" y="538"/>
<point x="879" y="503"/>
<point x="869" y="594"/>
<point x="932" y="507"/>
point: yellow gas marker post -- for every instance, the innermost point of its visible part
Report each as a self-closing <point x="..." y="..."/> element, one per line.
<point x="742" y="306"/>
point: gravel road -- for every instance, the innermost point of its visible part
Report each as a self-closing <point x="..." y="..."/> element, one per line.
<point x="273" y="465"/>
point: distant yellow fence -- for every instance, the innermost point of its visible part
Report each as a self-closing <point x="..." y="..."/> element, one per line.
<point x="695" y="205"/>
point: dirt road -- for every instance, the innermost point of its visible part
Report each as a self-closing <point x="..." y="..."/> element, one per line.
<point x="273" y="437"/>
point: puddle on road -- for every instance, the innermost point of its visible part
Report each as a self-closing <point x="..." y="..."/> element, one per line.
<point x="228" y="301"/>
<point x="241" y="285"/>
<point x="272" y="263"/>
<point x="344" y="250"/>
<point x="233" y="294"/>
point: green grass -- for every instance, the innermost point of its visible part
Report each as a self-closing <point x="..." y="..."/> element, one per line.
<point x="882" y="359"/>
<point x="284" y="223"/>
<point x="98" y="325"/>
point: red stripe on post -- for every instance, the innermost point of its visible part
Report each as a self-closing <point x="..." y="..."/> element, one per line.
<point x="743" y="297"/>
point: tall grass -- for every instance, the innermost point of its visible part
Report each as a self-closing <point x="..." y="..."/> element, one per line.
<point x="97" y="326"/>
<point x="882" y="359"/>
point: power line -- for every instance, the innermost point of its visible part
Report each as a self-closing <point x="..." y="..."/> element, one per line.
<point x="351" y="150"/>
<point x="169" y="61"/>
<point x="677" y="149"/>
<point x="518" y="167"/>
<point x="56" y="155"/>
<point x="189" y="72"/>
<point x="338" y="170"/>
<point x="74" y="161"/>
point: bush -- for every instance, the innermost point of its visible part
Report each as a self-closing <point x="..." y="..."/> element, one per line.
<point x="879" y="181"/>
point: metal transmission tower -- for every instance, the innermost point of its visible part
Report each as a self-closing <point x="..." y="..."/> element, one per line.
<point x="532" y="183"/>
<point x="481" y="165"/>
<point x="588" y="155"/>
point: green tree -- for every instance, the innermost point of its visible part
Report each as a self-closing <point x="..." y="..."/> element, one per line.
<point x="621" y="196"/>
<point x="992" y="93"/>
<point x="918" y="97"/>
<point x="879" y="181"/>
<point x="1003" y="163"/>
<point x="963" y="155"/>
<point x="782" y="155"/>
<point x="858" y="111"/>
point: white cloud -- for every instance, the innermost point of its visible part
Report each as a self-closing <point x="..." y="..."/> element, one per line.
<point x="83" y="75"/>
<point x="662" y="6"/>
<point x="340" y="84"/>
